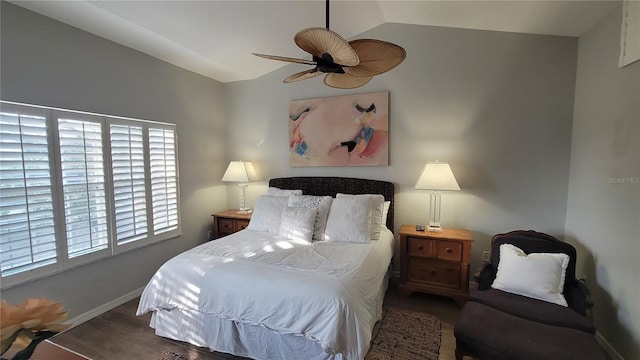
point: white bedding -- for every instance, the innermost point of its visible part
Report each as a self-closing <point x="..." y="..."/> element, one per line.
<point x="326" y="292"/>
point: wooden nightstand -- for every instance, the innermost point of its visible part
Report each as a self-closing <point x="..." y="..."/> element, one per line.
<point x="228" y="221"/>
<point x="435" y="262"/>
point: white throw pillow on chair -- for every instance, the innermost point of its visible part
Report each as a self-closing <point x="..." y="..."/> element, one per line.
<point x="537" y="275"/>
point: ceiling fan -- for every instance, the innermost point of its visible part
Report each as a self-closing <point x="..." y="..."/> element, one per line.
<point x="348" y="64"/>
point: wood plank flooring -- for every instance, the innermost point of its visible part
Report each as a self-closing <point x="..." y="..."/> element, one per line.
<point x="120" y="335"/>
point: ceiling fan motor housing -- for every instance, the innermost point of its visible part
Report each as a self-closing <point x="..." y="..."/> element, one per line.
<point x="326" y="65"/>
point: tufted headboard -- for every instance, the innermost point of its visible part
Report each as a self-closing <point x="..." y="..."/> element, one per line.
<point x="325" y="185"/>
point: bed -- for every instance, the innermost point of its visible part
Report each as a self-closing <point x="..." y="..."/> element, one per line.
<point x="280" y="294"/>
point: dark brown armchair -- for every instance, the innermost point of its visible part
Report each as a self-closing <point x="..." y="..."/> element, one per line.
<point x="496" y="324"/>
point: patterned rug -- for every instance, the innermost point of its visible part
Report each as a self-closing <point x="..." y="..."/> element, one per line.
<point x="170" y="355"/>
<point x="401" y="335"/>
<point x="406" y="335"/>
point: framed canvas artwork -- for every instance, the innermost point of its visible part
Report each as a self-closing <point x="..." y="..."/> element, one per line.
<point x="351" y="130"/>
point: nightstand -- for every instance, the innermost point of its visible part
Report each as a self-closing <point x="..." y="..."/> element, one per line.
<point x="435" y="262"/>
<point x="228" y="221"/>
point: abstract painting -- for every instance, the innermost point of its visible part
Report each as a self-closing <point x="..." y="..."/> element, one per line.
<point x="350" y="130"/>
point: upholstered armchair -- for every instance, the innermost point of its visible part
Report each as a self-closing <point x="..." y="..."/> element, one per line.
<point x="531" y="311"/>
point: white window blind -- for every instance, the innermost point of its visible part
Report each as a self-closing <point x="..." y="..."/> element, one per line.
<point x="127" y="161"/>
<point x="630" y="33"/>
<point x="77" y="187"/>
<point x="27" y="229"/>
<point x="83" y="184"/>
<point x="164" y="179"/>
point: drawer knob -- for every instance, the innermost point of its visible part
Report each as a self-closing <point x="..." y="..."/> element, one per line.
<point x="433" y="271"/>
<point x="448" y="250"/>
<point x="420" y="247"/>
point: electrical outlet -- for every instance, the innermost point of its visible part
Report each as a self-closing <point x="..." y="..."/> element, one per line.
<point x="209" y="235"/>
<point x="486" y="256"/>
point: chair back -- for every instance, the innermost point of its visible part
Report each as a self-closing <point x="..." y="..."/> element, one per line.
<point x="535" y="242"/>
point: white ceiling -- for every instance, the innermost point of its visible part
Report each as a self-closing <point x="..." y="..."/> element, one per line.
<point x="216" y="38"/>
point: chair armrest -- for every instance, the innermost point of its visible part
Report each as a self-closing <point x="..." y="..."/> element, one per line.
<point x="579" y="298"/>
<point x="588" y="311"/>
<point x="485" y="276"/>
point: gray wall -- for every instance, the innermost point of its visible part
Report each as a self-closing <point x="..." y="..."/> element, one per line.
<point x="603" y="212"/>
<point x="497" y="106"/>
<point x="45" y="62"/>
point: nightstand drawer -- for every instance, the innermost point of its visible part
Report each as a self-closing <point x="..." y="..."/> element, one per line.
<point x="240" y="225"/>
<point x="441" y="273"/>
<point x="449" y="250"/>
<point x="419" y="247"/>
<point x="225" y="226"/>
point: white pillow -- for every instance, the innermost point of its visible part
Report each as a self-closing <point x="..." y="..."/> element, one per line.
<point x="321" y="204"/>
<point x="297" y="223"/>
<point x="274" y="191"/>
<point x="267" y="213"/>
<point x="375" y="205"/>
<point x="537" y="275"/>
<point x="385" y="212"/>
<point x="348" y="220"/>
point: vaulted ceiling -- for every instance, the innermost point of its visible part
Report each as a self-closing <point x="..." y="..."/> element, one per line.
<point x="216" y="38"/>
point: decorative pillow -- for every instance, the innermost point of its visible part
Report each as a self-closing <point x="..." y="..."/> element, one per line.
<point x="297" y="223"/>
<point x="321" y="204"/>
<point x="537" y="275"/>
<point x="348" y="220"/>
<point x="267" y="213"/>
<point x="375" y="205"/>
<point x="274" y="191"/>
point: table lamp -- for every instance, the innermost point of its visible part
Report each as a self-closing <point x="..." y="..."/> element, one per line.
<point x="241" y="172"/>
<point x="436" y="176"/>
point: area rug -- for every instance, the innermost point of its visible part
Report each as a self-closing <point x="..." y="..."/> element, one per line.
<point x="401" y="335"/>
<point x="170" y="355"/>
<point x="406" y="335"/>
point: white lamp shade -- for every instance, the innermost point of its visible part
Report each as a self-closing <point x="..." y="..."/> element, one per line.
<point x="240" y="171"/>
<point x="437" y="176"/>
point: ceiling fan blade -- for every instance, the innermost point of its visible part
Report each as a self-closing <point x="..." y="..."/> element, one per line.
<point x="288" y="59"/>
<point x="303" y="75"/>
<point x="376" y="57"/>
<point x="345" y="81"/>
<point x="317" y="41"/>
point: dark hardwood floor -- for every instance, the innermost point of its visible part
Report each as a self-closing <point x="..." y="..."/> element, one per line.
<point x="120" y="335"/>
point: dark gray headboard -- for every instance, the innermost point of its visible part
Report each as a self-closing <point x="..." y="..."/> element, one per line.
<point x="323" y="186"/>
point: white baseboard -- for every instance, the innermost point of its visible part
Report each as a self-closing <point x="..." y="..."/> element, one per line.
<point x="77" y="320"/>
<point x="613" y="354"/>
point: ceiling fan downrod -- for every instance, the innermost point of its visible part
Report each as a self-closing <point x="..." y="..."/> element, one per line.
<point x="327" y="14"/>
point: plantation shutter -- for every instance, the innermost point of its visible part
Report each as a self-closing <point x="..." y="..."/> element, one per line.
<point x="164" y="179"/>
<point x="27" y="229"/>
<point x="83" y="184"/>
<point x="127" y="158"/>
<point x="630" y="33"/>
<point x="76" y="187"/>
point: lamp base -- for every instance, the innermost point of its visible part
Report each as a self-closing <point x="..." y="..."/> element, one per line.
<point x="434" y="228"/>
<point x="246" y="211"/>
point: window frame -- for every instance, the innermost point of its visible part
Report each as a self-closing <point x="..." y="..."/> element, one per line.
<point x="63" y="261"/>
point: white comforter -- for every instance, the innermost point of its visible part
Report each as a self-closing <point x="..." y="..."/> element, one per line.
<point x="325" y="291"/>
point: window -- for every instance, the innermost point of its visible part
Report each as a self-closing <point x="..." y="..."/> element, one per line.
<point x="83" y="186"/>
<point x="164" y="178"/>
<point x="127" y="163"/>
<point x="27" y="233"/>
<point x="630" y="33"/>
<point x="76" y="187"/>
